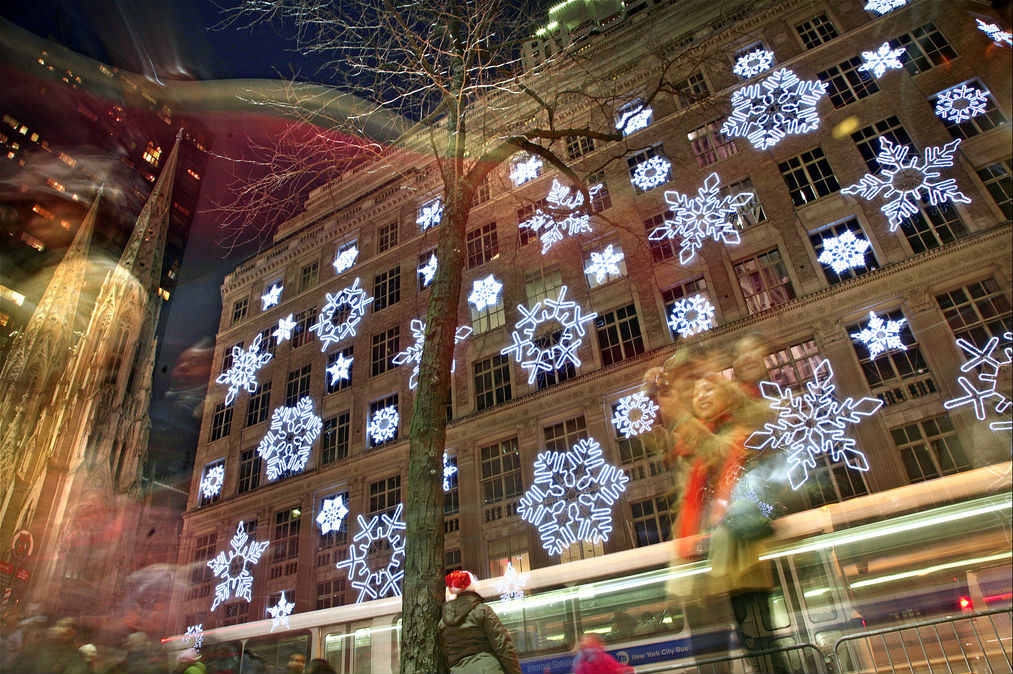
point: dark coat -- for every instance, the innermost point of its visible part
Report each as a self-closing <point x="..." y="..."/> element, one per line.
<point x="474" y="640"/>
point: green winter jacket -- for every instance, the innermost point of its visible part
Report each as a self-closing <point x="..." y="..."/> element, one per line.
<point x="474" y="640"/>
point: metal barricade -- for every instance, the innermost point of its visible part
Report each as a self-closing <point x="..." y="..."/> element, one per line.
<point x="787" y="660"/>
<point x="970" y="642"/>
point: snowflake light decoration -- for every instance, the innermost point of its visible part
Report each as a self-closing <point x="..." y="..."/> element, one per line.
<point x="705" y="215"/>
<point x="604" y="263"/>
<point x="651" y="173"/>
<point x="880" y="336"/>
<point x="383" y="426"/>
<point x="753" y="63"/>
<point x="558" y="352"/>
<point x="243" y="373"/>
<point x="999" y="36"/>
<point x="413" y="354"/>
<point x="780" y="105"/>
<point x="635" y="414"/>
<point x="430" y="214"/>
<point x="883" y="59"/>
<point x="960" y="104"/>
<point x="340" y="369"/>
<point x="287" y="444"/>
<point x="385" y="530"/>
<point x="231" y="567"/>
<point x="844" y="251"/>
<point x="988" y="365"/>
<point x="691" y="316"/>
<point x="634" y="118"/>
<point x="485" y="292"/>
<point x="812" y="424"/>
<point x="285" y="327"/>
<point x="345" y="259"/>
<point x="428" y="270"/>
<point x="576" y="220"/>
<point x="350" y="306"/>
<point x="884" y="6"/>
<point x="524" y="169"/>
<point x="271" y="297"/>
<point x="511" y="585"/>
<point x="449" y="470"/>
<point x="280" y="612"/>
<point x="211" y="483"/>
<point x="332" y="514"/>
<point x="194" y="635"/>
<point x="902" y="181"/>
<point x="572" y="496"/>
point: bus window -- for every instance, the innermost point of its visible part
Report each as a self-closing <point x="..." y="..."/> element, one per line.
<point x="337" y="649"/>
<point x="276" y="654"/>
<point x="779" y="618"/>
<point x="817" y="588"/>
<point x="541" y="624"/>
<point x="222" y="656"/>
<point x="628" y="608"/>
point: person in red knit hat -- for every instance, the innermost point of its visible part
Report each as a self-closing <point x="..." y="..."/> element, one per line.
<point x="474" y="641"/>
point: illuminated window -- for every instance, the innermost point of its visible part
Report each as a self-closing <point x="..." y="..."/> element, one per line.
<point x="764" y="281"/>
<point x="46" y="213"/>
<point x="11" y="295"/>
<point x="152" y="154"/>
<point x="55" y="185"/>
<point x="163" y="293"/>
<point x="33" y="242"/>
<point x="501" y="479"/>
<point x="193" y="174"/>
<point x="809" y="176"/>
<point x="512" y="550"/>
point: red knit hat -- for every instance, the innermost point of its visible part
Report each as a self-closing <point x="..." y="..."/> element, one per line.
<point x="458" y="581"/>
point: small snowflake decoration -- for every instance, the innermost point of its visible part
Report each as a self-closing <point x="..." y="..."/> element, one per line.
<point x="430" y="214"/>
<point x="960" y="104"/>
<point x="340" y="369"/>
<point x="880" y="336"/>
<point x="194" y="635"/>
<point x="534" y="358"/>
<point x="604" y="264"/>
<point x="635" y="414"/>
<point x="428" y="270"/>
<point x="385" y="530"/>
<point x="243" y="373"/>
<point x="383" y="426"/>
<point x="753" y="63"/>
<point x="285" y="328"/>
<point x="350" y="305"/>
<point x="287" y="444"/>
<point x="812" y="424"/>
<point x="780" y="105"/>
<point x="511" y="585"/>
<point x="704" y="216"/>
<point x="271" y="297"/>
<point x="485" y="292"/>
<point x="280" y="612"/>
<point x="345" y="259"/>
<point x="572" y="496"/>
<point x="332" y="514"/>
<point x="237" y="581"/>
<point x="691" y="316"/>
<point x="1000" y="37"/>
<point x="884" y="6"/>
<point x="902" y="181"/>
<point x="651" y="173"/>
<point x="449" y="470"/>
<point x="211" y="483"/>
<point x="634" y="118"/>
<point x="551" y="229"/>
<point x="844" y="251"/>
<point x="413" y="354"/>
<point x="883" y="59"/>
<point x="987" y="364"/>
<point x="525" y="169"/>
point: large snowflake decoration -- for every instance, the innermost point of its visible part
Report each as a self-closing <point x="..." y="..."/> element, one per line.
<point x="428" y="270"/>
<point x="287" y="444"/>
<point x="449" y="470"/>
<point x="340" y="369"/>
<point x="844" y="251"/>
<point x="243" y="373"/>
<point x="780" y="105"/>
<point x="211" y="483"/>
<point x="341" y="315"/>
<point x="633" y="118"/>
<point x="902" y="181"/>
<point x="650" y="173"/>
<point x="511" y="585"/>
<point x="883" y="6"/>
<point x="753" y="63"/>
<point x="413" y="354"/>
<point x="285" y="327"/>
<point x="332" y="514"/>
<point x="381" y="535"/>
<point x="383" y="426"/>
<point x="960" y="104"/>
<point x="880" y="336"/>
<point x="691" y="316"/>
<point x="604" y="263"/>
<point x="345" y="259"/>
<point x="988" y="364"/>
<point x="572" y="496"/>
<point x="271" y="297"/>
<point x="551" y="229"/>
<point x="231" y="567"/>
<point x="705" y="215"/>
<point x="280" y="612"/>
<point x="525" y="168"/>
<point x="999" y="36"/>
<point x="558" y="351"/>
<point x="430" y="214"/>
<point x="812" y="424"/>
<point x="883" y="59"/>
<point x="485" y="292"/>
<point x="635" y="414"/>
<point x="194" y="635"/>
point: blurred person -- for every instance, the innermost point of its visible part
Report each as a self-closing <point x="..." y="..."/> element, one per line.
<point x="90" y="653"/>
<point x="320" y="666"/>
<point x="296" y="663"/>
<point x="143" y="656"/>
<point x="591" y="658"/>
<point x="223" y="658"/>
<point x="188" y="662"/>
<point x="58" y="653"/>
<point x="472" y="637"/>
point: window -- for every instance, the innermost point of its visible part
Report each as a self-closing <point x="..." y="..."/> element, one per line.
<point x="239" y="309"/>
<point x="268" y="342"/>
<point x="636" y="459"/>
<point x="451" y="498"/>
<point x="386" y="237"/>
<point x="482" y="245"/>
<point x="833" y="482"/>
<point x="227" y="358"/>
<point x="260" y="405"/>
<point x="385" y="347"/>
<point x="308" y="276"/>
<point x="578" y="146"/>
<point x="710" y="145"/>
<point x="285" y="543"/>
<point x="334" y="439"/>
<point x="249" y="471"/>
<point x="652" y="520"/>
<point x="619" y="335"/>
<point x="924" y="49"/>
<point x="331" y="547"/>
<point x="331" y="593"/>
<point x="541" y="283"/>
<point x="340" y="384"/>
<point x="819" y="238"/>
<point x="661" y="249"/>
<point x="426" y="268"/>
<point x="492" y="382"/>
<point x="384" y="495"/>
<point x="508" y="550"/>
<point x="764" y="281"/>
<point x="930" y="448"/>
<point x="633" y="116"/>
<point x="297" y="385"/>
<point x="342" y="249"/>
<point x="634" y="161"/>
<point x="374" y="407"/>
<point x="525" y="234"/>
<point x="525" y="167"/>
<point x="221" y="422"/>
<point x="201" y="577"/>
<point x="867" y="139"/>
<point x="563" y="436"/>
<point x="692" y="89"/>
<point x="895" y="375"/>
<point x="816" y="31"/>
<point x="545" y="379"/>
<point x="386" y="288"/>
<point x="482" y="193"/>
<point x="932" y="226"/>
<point x="217" y="496"/>
<point x="235" y="613"/>
<point x="501" y="479"/>
<point x="809" y="176"/>
<point x="152" y="153"/>
<point x="697" y="286"/>
<point x="999" y="183"/>
<point x="749" y="214"/>
<point x="488" y="317"/>
<point x="600" y="200"/>
<point x="986" y="121"/>
<point x="977" y="312"/>
<point x="452" y="561"/>
<point x="301" y="332"/>
<point x="604" y="263"/>
<point x="792" y="366"/>
<point x="846" y="83"/>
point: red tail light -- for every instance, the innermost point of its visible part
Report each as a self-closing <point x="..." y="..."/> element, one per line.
<point x="966" y="605"/>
